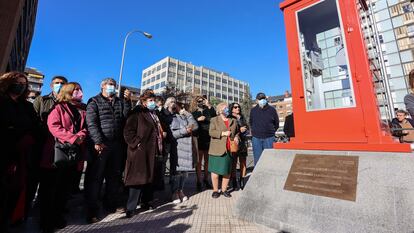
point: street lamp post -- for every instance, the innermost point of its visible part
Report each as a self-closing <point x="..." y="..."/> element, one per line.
<point x="146" y="34"/>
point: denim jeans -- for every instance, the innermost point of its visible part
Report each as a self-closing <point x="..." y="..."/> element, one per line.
<point x="259" y="144"/>
<point x="178" y="181"/>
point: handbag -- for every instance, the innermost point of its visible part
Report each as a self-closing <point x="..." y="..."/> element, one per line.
<point x="234" y="147"/>
<point x="65" y="153"/>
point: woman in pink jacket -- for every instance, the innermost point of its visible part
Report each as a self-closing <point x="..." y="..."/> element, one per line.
<point x="66" y="123"/>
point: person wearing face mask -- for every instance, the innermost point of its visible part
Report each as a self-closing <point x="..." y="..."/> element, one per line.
<point x="144" y="135"/>
<point x="264" y="122"/>
<point x="40" y="164"/>
<point x="105" y="116"/>
<point x="182" y="126"/>
<point x="203" y="112"/>
<point x="66" y="122"/>
<point x="223" y="131"/>
<point x="19" y="127"/>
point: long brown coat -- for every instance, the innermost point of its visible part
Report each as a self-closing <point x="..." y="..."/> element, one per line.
<point x="140" y="134"/>
<point x="218" y="143"/>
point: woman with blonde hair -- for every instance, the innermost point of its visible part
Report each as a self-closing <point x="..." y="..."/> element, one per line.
<point x="66" y="122"/>
<point x="223" y="131"/>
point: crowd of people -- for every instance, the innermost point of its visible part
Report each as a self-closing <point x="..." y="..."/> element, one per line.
<point x="49" y="142"/>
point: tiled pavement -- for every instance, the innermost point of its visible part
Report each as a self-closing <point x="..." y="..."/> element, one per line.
<point x="201" y="213"/>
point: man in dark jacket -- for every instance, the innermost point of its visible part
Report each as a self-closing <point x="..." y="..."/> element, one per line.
<point x="264" y="122"/>
<point x="105" y="116"/>
<point x="40" y="169"/>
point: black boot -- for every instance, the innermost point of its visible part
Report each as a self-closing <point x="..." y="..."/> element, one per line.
<point x="234" y="184"/>
<point x="242" y="182"/>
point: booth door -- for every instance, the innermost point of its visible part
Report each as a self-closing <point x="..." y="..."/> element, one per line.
<point x="327" y="108"/>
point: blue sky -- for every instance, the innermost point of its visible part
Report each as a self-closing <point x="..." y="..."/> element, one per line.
<point x="83" y="40"/>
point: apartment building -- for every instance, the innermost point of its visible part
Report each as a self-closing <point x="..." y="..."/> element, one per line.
<point x="193" y="79"/>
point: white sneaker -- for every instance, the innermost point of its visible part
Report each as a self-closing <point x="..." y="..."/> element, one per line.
<point x="183" y="197"/>
<point x="176" y="198"/>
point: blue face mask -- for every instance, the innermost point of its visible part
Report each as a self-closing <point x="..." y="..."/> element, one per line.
<point x="110" y="90"/>
<point x="226" y="111"/>
<point x="151" y="105"/>
<point x="262" y="102"/>
<point x="56" y="87"/>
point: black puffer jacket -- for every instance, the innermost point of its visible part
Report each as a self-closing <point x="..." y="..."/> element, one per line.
<point x="106" y="119"/>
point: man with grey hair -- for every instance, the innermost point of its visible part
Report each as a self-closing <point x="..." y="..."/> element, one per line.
<point x="105" y="116"/>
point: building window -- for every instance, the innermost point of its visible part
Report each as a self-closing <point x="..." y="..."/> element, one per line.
<point x="218" y="95"/>
<point x="241" y="86"/>
<point x="211" y="85"/>
<point x="224" y="96"/>
<point x="204" y="83"/>
<point x="224" y="81"/>
<point x="163" y="74"/>
<point x="172" y="64"/>
<point x="153" y="79"/>
<point x="211" y="93"/>
<point x="145" y="74"/>
<point x="204" y="92"/>
<point x="197" y="72"/>
<point x="189" y="70"/>
<point x="157" y="86"/>
<point x="180" y="77"/>
<point x="163" y="84"/>
<point x="197" y="81"/>
<point x="164" y="65"/>
<point x="224" y="88"/>
<point x="204" y="75"/>
<point x="218" y="79"/>
<point x="337" y="98"/>
<point x="181" y="68"/>
<point x="218" y="87"/>
<point x="211" y="78"/>
<point x="158" y="67"/>
<point x="230" y="98"/>
<point x="189" y="79"/>
<point x="236" y="92"/>
<point x="158" y="77"/>
<point x="236" y="99"/>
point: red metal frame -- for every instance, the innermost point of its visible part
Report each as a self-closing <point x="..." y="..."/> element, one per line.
<point x="353" y="129"/>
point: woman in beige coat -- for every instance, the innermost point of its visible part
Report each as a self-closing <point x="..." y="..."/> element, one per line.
<point x="223" y="131"/>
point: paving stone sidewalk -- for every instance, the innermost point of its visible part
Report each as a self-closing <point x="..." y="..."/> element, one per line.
<point x="201" y="213"/>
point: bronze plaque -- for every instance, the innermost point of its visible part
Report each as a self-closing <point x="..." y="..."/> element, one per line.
<point x="324" y="175"/>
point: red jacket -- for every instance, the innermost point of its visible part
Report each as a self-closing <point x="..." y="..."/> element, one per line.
<point x="61" y="126"/>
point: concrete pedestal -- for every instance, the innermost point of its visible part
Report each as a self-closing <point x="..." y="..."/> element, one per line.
<point x="384" y="196"/>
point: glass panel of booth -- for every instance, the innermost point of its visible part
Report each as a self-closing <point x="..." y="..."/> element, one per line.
<point x="324" y="58"/>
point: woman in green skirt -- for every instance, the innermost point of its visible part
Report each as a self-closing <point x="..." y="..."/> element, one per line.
<point x="223" y="132"/>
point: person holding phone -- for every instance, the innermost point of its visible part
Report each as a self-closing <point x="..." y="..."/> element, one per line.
<point x="202" y="112"/>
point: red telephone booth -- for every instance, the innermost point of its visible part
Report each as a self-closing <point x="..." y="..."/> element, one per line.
<point x="332" y="89"/>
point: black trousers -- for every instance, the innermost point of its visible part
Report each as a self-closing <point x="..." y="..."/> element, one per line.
<point x="106" y="166"/>
<point x="9" y="195"/>
<point x="55" y="186"/>
<point x="139" y="194"/>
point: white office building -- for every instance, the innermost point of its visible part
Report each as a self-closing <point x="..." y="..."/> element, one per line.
<point x="194" y="79"/>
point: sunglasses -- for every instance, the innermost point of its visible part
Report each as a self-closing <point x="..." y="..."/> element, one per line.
<point x="235" y="107"/>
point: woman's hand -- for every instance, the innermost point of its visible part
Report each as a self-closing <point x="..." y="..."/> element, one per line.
<point x="243" y="129"/>
<point x="236" y="140"/>
<point x="202" y="118"/>
<point x="225" y="133"/>
<point x="80" y="140"/>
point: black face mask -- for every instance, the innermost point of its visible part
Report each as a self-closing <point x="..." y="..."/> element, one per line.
<point x="17" y="88"/>
<point x="200" y="105"/>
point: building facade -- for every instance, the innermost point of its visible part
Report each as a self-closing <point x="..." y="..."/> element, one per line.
<point x="35" y="79"/>
<point x="193" y="79"/>
<point x="17" y="21"/>
<point x="389" y="37"/>
<point x="283" y="105"/>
